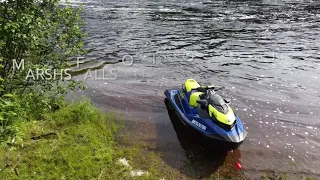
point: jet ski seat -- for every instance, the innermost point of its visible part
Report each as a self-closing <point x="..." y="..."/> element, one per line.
<point x="189" y="85"/>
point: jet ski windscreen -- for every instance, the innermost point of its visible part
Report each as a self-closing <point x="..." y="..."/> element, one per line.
<point x="218" y="102"/>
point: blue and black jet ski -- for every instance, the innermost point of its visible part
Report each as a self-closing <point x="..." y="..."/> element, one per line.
<point x="206" y="111"/>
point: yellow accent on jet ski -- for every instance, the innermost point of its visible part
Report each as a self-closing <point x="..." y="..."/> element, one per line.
<point x="228" y="118"/>
<point x="191" y="84"/>
<point x="193" y="99"/>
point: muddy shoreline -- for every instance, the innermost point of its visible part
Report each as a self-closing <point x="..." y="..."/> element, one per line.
<point x="147" y="121"/>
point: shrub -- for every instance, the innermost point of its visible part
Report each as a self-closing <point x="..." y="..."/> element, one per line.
<point x="43" y="35"/>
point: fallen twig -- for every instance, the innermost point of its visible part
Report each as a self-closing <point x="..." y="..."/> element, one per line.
<point x="44" y="136"/>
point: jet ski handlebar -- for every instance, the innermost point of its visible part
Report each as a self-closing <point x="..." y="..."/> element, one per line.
<point x="206" y="88"/>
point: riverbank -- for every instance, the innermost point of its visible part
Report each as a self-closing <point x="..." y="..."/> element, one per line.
<point x="80" y="141"/>
<point x="75" y="142"/>
<point x="148" y="122"/>
<point x="191" y="156"/>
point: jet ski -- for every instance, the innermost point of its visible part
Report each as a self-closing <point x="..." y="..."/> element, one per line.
<point x="206" y="111"/>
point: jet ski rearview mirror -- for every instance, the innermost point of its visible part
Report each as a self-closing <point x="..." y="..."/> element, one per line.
<point x="227" y="100"/>
<point x="219" y="88"/>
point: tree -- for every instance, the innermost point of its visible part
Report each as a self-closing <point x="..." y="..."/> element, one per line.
<point x="43" y="35"/>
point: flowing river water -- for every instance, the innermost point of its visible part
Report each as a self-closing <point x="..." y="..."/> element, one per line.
<point x="265" y="52"/>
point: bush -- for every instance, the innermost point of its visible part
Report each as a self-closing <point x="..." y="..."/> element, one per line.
<point x="7" y="113"/>
<point x="43" y="35"/>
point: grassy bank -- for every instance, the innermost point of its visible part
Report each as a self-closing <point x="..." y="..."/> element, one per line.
<point x="78" y="142"/>
<point x="75" y="142"/>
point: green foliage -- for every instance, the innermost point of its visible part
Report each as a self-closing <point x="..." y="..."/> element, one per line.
<point x="308" y="178"/>
<point x="43" y="35"/>
<point x="75" y="142"/>
<point x="65" y="145"/>
<point x="6" y="112"/>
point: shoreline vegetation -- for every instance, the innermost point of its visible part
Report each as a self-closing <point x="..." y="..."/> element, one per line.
<point x="74" y="142"/>
<point x="79" y="141"/>
<point x="41" y="135"/>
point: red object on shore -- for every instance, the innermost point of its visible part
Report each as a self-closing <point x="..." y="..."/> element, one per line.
<point x="238" y="166"/>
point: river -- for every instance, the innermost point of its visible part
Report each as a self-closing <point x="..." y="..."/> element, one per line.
<point x="265" y="52"/>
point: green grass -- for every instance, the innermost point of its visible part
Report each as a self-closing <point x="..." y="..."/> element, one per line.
<point x="75" y="142"/>
<point x="308" y="178"/>
<point x="78" y="142"/>
<point x="284" y="176"/>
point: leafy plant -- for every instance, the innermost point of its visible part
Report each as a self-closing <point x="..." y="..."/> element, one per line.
<point x="6" y="112"/>
<point x="38" y="38"/>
